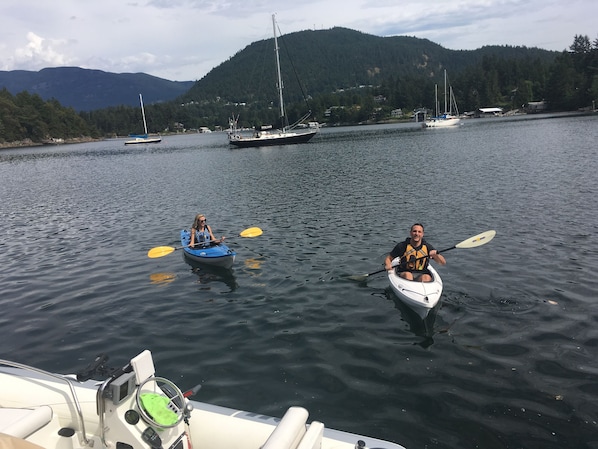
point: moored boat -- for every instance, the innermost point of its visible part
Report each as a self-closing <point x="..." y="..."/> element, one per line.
<point x="421" y="297"/>
<point x="143" y="138"/>
<point x="265" y="135"/>
<point x="450" y="116"/>
<point x="130" y="408"/>
<point x="263" y="138"/>
<point x="218" y="255"/>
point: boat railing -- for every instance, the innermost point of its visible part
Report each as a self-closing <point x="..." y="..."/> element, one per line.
<point x="58" y="377"/>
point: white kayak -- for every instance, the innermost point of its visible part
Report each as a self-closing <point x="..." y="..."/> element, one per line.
<point x="421" y="297"/>
<point x="131" y="408"/>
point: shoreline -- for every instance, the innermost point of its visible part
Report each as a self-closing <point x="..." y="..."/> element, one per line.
<point x="28" y="143"/>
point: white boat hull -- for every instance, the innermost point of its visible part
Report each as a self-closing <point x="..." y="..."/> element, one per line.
<point x="59" y="412"/>
<point x="142" y="140"/>
<point x="442" y="122"/>
<point x="421" y="297"/>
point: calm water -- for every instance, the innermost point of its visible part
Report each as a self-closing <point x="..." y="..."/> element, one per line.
<point x="509" y="359"/>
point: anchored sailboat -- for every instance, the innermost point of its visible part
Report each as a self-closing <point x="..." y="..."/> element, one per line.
<point x="143" y="138"/>
<point x="263" y="136"/>
<point x="450" y="117"/>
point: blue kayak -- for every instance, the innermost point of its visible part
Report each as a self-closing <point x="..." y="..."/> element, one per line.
<point x="218" y="255"/>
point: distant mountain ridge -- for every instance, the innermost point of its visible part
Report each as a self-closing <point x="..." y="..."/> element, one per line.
<point x="88" y="90"/>
<point x="325" y="61"/>
<point x="340" y="58"/>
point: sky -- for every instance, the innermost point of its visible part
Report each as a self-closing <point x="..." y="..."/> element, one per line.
<point x="182" y="40"/>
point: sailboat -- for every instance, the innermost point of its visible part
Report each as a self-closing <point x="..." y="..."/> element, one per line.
<point x="266" y="135"/>
<point x="143" y="138"/>
<point x="450" y="117"/>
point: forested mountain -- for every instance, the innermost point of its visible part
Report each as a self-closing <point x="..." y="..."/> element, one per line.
<point x="348" y="77"/>
<point x="27" y="118"/>
<point x="354" y="77"/>
<point x="329" y="60"/>
<point x="88" y="90"/>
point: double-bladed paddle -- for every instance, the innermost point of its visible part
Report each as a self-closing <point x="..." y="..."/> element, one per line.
<point x="161" y="251"/>
<point x="471" y="242"/>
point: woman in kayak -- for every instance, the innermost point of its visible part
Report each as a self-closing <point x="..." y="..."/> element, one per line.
<point x="415" y="254"/>
<point x="201" y="233"/>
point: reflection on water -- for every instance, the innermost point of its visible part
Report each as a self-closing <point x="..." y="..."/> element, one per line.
<point x="419" y="327"/>
<point x="162" y="278"/>
<point x="207" y="274"/>
<point x="253" y="263"/>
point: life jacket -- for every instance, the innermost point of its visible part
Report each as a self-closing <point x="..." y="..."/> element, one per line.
<point x="202" y="238"/>
<point x="412" y="253"/>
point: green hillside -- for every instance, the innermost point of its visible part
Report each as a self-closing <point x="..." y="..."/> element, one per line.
<point x="346" y="70"/>
<point x="330" y="60"/>
<point x="346" y="77"/>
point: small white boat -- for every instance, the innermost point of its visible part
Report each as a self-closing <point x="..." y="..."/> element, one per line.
<point x="421" y="297"/>
<point x="143" y="138"/>
<point x="132" y="408"/>
<point x="450" y="116"/>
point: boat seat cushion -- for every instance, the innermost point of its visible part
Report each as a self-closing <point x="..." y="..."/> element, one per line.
<point x="22" y="422"/>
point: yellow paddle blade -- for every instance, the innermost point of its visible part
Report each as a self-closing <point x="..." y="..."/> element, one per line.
<point x="159" y="251"/>
<point x="251" y="232"/>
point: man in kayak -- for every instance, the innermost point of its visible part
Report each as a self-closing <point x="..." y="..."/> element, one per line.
<point x="415" y="254"/>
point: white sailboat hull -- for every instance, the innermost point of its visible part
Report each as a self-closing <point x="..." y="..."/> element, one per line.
<point x="448" y="118"/>
<point x="139" y="140"/>
<point x="442" y="122"/>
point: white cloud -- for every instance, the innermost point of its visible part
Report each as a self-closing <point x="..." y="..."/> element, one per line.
<point x="39" y="52"/>
<point x="185" y="39"/>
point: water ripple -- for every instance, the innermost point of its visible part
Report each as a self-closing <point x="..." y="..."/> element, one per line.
<point x="508" y="358"/>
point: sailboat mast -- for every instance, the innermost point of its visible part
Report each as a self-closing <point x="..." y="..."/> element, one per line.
<point x="143" y="113"/>
<point x="445" y="108"/>
<point x="280" y="100"/>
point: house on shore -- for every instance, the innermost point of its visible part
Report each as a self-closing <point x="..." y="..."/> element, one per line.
<point x="488" y="112"/>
